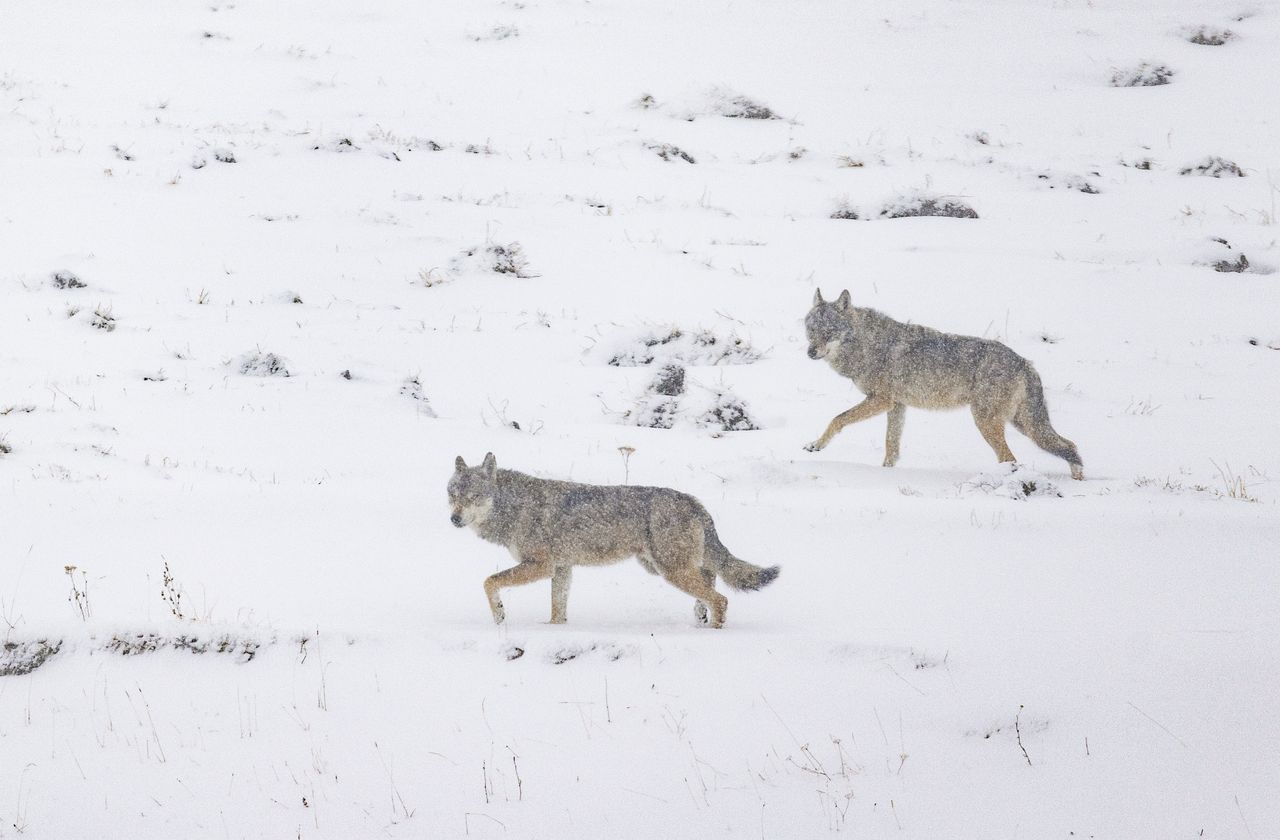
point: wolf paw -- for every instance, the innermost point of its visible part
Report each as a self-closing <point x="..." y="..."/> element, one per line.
<point x="499" y="614"/>
<point x="813" y="447"/>
<point x="700" y="612"/>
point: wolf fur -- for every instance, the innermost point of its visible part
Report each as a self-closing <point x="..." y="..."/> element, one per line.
<point x="552" y="526"/>
<point x="898" y="365"/>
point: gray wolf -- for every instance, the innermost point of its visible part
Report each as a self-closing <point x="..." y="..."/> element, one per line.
<point x="552" y="526"/>
<point x="898" y="365"/>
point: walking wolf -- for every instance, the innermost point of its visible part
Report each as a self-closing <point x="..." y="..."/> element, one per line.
<point x="898" y="365"/>
<point x="552" y="526"/>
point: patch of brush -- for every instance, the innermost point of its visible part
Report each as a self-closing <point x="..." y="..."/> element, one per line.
<point x="494" y="258"/>
<point x="723" y="102"/>
<point x="1146" y="74"/>
<point x="407" y="143"/>
<point x="20" y="658"/>
<point x="570" y="651"/>
<point x="670" y="152"/>
<point x="845" y="211"/>
<point x="1010" y="481"/>
<point x="727" y="413"/>
<point x="500" y="32"/>
<point x="66" y="280"/>
<point x="1068" y="181"/>
<point x="910" y="206"/>
<point x="658" y="407"/>
<point x="1143" y="163"/>
<point x="244" y="648"/>
<point x="412" y="389"/>
<point x="257" y="363"/>
<point x="698" y="347"/>
<point x="1229" y="259"/>
<point x="1213" y="167"/>
<point x="1208" y="36"/>
<point x="102" y="319"/>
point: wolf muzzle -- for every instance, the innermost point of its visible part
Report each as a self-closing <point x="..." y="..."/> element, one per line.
<point x="813" y="352"/>
<point x="456" y="519"/>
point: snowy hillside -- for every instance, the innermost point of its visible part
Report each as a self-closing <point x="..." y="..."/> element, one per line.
<point x="267" y="268"/>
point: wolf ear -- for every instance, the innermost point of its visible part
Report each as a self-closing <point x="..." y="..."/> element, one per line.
<point x="490" y="464"/>
<point x="817" y="297"/>
<point x="843" y="302"/>
<point x="458" y="464"/>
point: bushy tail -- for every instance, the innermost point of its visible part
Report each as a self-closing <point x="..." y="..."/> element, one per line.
<point x="739" y="574"/>
<point x="1032" y="419"/>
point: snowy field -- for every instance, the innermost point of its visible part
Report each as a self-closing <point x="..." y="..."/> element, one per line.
<point x="443" y="222"/>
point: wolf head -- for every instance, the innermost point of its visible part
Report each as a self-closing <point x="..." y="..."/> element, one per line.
<point x="826" y="323"/>
<point x="471" y="491"/>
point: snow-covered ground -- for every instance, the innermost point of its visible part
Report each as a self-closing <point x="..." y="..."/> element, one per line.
<point x="444" y="221"/>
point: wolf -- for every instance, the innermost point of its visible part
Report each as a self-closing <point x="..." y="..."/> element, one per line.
<point x="552" y="526"/>
<point x="898" y="365"/>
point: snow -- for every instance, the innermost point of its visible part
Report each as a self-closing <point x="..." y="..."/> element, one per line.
<point x="331" y="186"/>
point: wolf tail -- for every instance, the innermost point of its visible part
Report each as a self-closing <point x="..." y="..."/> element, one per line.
<point x="1032" y="419"/>
<point x="739" y="574"/>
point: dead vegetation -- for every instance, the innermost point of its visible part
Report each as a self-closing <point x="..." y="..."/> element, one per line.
<point x="1213" y="167"/>
<point x="1208" y="36"/>
<point x="19" y="658"/>
<point x="1145" y="74"/>
<point x="700" y="347"/>
<point x="922" y="205"/>
<point x="257" y="363"/>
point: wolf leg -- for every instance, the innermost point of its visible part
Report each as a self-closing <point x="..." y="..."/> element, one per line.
<point x="1044" y="436"/>
<point x="869" y="407"/>
<point x="700" y="607"/>
<point x="893" y="435"/>
<point x="677" y="550"/>
<point x="560" y="580"/>
<point x="527" y="571"/>
<point x="691" y="582"/>
<point x="992" y="429"/>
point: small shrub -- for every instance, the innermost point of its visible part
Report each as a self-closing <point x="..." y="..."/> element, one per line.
<point x="1237" y="266"/>
<point x="844" y="211"/>
<point x="726" y="103"/>
<point x="702" y="347"/>
<point x="1213" y="167"/>
<point x="103" y="319"/>
<point x="1012" y="481"/>
<point x="668" y="152"/>
<point x="653" y="411"/>
<point x="431" y="277"/>
<point x="669" y="382"/>
<point x="20" y="658"/>
<point x="1143" y="75"/>
<point x="646" y="102"/>
<point x="1208" y="36"/>
<point x="927" y="206"/>
<point x="257" y="363"/>
<point x="412" y="389"/>
<point x="495" y="257"/>
<point x="5" y="447"/>
<point x="501" y="32"/>
<point x="339" y="144"/>
<point x="727" y="413"/>
<point x="742" y="108"/>
<point x="1068" y="182"/>
<point x="66" y="280"/>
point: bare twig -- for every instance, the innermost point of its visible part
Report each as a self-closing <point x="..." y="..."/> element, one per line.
<point x="1017" y="728"/>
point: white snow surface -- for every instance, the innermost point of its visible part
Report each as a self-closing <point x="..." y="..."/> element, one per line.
<point x="932" y="662"/>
